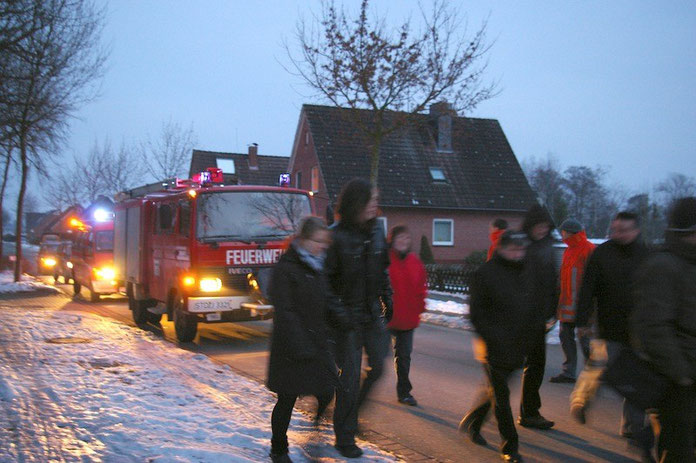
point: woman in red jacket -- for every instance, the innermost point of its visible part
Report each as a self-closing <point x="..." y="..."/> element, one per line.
<point x="409" y="283"/>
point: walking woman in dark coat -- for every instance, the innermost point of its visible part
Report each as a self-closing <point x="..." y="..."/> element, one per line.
<point x="300" y="361"/>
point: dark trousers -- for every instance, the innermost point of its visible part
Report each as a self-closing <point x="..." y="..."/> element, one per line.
<point x="677" y="419"/>
<point x="533" y="374"/>
<point x="280" y="419"/>
<point x="570" y="350"/>
<point x="496" y="394"/>
<point x="350" y="394"/>
<point x="403" y="346"/>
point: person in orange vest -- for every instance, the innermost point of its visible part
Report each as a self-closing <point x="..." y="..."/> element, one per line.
<point x="496" y="229"/>
<point x="572" y="268"/>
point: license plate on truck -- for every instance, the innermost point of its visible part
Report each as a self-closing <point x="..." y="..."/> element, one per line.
<point x="215" y="304"/>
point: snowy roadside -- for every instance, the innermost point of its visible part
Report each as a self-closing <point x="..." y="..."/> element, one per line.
<point x="26" y="284"/>
<point x="78" y="387"/>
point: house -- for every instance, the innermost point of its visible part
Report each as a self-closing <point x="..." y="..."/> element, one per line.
<point x="237" y="168"/>
<point x="445" y="177"/>
<point x="54" y="223"/>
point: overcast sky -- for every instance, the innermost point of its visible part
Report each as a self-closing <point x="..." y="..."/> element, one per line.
<point x="592" y="82"/>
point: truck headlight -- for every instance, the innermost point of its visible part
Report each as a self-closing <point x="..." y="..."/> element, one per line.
<point x="210" y="285"/>
<point x="105" y="273"/>
<point x="48" y="261"/>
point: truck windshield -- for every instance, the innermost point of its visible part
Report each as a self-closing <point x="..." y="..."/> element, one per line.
<point x="249" y="215"/>
<point x="104" y="240"/>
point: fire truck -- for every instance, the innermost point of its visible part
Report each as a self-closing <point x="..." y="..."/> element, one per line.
<point x="201" y="251"/>
<point x="92" y="256"/>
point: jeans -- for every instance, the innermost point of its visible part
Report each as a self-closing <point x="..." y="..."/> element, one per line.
<point x="403" y="346"/>
<point x="570" y="350"/>
<point x="533" y="374"/>
<point x="350" y="395"/>
<point x="633" y="420"/>
<point x="496" y="394"/>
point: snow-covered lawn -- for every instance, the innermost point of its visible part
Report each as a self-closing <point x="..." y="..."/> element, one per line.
<point x="81" y="388"/>
<point x="26" y="283"/>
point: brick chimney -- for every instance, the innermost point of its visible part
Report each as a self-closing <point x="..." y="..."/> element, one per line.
<point x="253" y="159"/>
<point x="443" y="113"/>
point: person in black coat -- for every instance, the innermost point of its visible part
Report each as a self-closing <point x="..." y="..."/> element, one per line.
<point x="607" y="285"/>
<point x="663" y="328"/>
<point x="503" y="316"/>
<point x="544" y="292"/>
<point x="356" y="266"/>
<point x="300" y="361"/>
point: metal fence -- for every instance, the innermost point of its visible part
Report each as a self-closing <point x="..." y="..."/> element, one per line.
<point x="449" y="277"/>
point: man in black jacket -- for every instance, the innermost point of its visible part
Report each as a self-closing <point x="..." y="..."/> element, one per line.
<point x="664" y="328"/>
<point x="503" y="318"/>
<point x="544" y="292"/>
<point x="356" y="265"/>
<point x="607" y="282"/>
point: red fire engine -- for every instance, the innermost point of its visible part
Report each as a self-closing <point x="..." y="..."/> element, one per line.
<point x="202" y="252"/>
<point x="92" y="258"/>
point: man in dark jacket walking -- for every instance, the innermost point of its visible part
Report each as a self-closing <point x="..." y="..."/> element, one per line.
<point x="607" y="282"/>
<point x="664" y="328"/>
<point x="544" y="292"/>
<point x="503" y="317"/>
<point x="356" y="265"/>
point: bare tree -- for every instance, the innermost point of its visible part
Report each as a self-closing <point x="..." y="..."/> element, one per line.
<point x="48" y="74"/>
<point x="676" y="186"/>
<point x="167" y="155"/>
<point x="546" y="179"/>
<point x="359" y="64"/>
<point x="122" y="169"/>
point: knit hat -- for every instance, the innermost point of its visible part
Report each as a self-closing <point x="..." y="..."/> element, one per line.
<point x="572" y="226"/>
<point x="535" y="215"/>
<point x="682" y="218"/>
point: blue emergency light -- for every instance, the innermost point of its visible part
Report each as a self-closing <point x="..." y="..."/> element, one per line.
<point x="284" y="180"/>
<point x="102" y="215"/>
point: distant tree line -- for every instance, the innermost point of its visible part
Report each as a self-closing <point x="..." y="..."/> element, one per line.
<point x="584" y="193"/>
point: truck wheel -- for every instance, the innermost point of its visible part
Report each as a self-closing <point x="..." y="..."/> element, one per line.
<point x="185" y="324"/>
<point x="139" y="309"/>
<point x="77" y="287"/>
<point x="55" y="278"/>
<point x="93" y="297"/>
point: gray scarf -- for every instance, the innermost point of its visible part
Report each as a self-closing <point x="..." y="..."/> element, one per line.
<point x="315" y="262"/>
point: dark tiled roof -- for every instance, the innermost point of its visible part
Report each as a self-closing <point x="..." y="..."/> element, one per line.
<point x="270" y="167"/>
<point x="482" y="172"/>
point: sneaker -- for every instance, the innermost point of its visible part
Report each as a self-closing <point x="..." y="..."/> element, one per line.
<point x="562" y="379"/>
<point x="538" y="422"/>
<point x="349" y="451"/>
<point x="474" y="435"/>
<point x="408" y="400"/>
<point x="280" y="457"/>
<point x="511" y="457"/>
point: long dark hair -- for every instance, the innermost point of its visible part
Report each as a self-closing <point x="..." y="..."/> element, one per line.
<point x="352" y="201"/>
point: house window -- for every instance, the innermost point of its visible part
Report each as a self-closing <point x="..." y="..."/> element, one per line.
<point x="443" y="232"/>
<point x="298" y="180"/>
<point x="227" y="165"/>
<point x="315" y="178"/>
<point x="437" y="174"/>
<point x="383" y="222"/>
<point x="306" y="137"/>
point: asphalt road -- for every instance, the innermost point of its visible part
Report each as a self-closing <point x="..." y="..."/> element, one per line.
<point x="446" y="380"/>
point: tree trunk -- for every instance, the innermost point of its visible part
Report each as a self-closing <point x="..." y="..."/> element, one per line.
<point x="2" y="197"/>
<point x="20" y="205"/>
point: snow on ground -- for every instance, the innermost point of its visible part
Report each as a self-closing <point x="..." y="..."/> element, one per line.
<point x="81" y="388"/>
<point x="27" y="283"/>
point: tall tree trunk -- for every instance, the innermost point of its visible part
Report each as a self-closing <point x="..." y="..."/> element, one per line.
<point x="2" y="196"/>
<point x="20" y="205"/>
